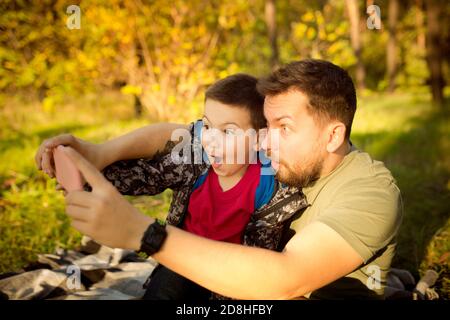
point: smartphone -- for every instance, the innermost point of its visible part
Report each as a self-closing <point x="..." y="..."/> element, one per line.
<point x="67" y="174"/>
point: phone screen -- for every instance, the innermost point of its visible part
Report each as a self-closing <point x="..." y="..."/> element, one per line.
<point x="67" y="174"/>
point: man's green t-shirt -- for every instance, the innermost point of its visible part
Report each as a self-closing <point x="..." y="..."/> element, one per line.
<point x="359" y="199"/>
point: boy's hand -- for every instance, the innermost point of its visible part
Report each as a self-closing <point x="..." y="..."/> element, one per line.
<point x="44" y="156"/>
<point x="60" y="188"/>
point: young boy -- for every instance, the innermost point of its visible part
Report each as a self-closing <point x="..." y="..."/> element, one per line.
<point x="224" y="197"/>
<point x="229" y="196"/>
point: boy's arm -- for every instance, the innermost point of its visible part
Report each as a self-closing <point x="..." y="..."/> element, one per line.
<point x="153" y="176"/>
<point x="146" y="142"/>
<point x="147" y="176"/>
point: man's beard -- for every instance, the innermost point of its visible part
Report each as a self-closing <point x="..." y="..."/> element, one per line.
<point x="301" y="174"/>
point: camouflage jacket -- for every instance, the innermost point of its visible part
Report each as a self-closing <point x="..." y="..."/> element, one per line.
<point x="268" y="226"/>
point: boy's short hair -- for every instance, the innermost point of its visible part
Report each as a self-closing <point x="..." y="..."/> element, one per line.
<point x="239" y="90"/>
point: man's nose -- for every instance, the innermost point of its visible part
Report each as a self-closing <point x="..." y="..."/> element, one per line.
<point x="269" y="140"/>
<point x="263" y="139"/>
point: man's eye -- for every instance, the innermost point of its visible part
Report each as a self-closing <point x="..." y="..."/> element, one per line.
<point x="285" y="129"/>
<point x="229" y="131"/>
<point x="205" y="126"/>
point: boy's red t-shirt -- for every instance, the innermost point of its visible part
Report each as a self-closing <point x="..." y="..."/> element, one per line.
<point x="223" y="215"/>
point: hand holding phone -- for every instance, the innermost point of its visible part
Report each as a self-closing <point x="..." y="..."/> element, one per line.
<point x="67" y="174"/>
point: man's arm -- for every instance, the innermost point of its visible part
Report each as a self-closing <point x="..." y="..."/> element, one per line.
<point x="312" y="259"/>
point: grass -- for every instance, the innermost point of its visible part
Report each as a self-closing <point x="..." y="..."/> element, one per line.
<point x="402" y="130"/>
<point x="32" y="218"/>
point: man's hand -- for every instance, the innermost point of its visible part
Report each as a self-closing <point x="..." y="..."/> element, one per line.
<point x="44" y="156"/>
<point x="104" y="214"/>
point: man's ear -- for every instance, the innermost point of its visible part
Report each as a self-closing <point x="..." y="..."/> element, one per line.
<point x="336" y="136"/>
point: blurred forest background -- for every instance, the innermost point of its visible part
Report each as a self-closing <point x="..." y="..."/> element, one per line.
<point x="131" y="63"/>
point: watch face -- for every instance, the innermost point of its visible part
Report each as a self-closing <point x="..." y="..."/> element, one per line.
<point x="153" y="238"/>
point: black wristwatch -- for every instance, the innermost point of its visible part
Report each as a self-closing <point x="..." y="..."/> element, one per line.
<point x="153" y="238"/>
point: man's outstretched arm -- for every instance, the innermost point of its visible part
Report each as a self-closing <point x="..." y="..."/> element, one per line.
<point x="311" y="260"/>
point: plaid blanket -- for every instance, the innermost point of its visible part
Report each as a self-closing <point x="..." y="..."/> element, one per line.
<point x="93" y="272"/>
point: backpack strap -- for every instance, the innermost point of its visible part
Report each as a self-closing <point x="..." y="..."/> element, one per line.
<point x="266" y="186"/>
<point x="200" y="180"/>
<point x="198" y="125"/>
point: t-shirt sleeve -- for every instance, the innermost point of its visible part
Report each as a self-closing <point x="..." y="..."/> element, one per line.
<point x="367" y="214"/>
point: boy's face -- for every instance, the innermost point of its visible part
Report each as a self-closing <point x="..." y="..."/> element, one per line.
<point x="227" y="137"/>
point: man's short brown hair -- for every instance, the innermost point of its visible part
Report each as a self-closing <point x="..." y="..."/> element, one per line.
<point x="329" y="88"/>
<point x="239" y="90"/>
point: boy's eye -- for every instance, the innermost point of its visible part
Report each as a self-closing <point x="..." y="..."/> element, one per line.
<point x="229" y="131"/>
<point x="285" y="129"/>
<point x="205" y="126"/>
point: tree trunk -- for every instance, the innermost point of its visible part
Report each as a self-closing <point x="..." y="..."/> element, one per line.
<point x="138" y="108"/>
<point x="392" y="46"/>
<point x="434" y="50"/>
<point x="270" y="11"/>
<point x="353" y="14"/>
<point x="420" y="25"/>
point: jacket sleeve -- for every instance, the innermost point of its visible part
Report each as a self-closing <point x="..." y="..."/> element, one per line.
<point x="152" y="176"/>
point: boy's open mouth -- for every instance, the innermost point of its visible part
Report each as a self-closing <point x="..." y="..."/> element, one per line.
<point x="216" y="161"/>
